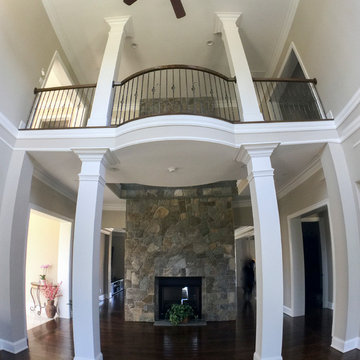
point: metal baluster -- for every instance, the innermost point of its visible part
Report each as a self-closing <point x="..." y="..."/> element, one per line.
<point x="181" y="107"/>
<point x="141" y="94"/>
<point x="201" y="101"/>
<point x="173" y="91"/>
<point x="187" y="94"/>
<point x="206" y="95"/>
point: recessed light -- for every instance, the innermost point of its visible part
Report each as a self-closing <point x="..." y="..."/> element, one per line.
<point x="210" y="43"/>
<point x="172" y="169"/>
<point x="134" y="45"/>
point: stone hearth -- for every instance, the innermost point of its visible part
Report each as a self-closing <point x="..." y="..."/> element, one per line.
<point x="179" y="232"/>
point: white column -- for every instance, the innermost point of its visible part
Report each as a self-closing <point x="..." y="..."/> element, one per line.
<point x="101" y="109"/>
<point x="345" y="245"/>
<point x="269" y="275"/>
<point x="14" y="218"/>
<point x="239" y="67"/>
<point x="86" y="322"/>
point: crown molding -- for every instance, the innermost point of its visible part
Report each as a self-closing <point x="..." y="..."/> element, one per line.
<point x="348" y="108"/>
<point x="52" y="182"/>
<point x="283" y="36"/>
<point x="313" y="167"/>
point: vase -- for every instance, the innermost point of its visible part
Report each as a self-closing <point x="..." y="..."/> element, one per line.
<point x="50" y="309"/>
<point x="42" y="282"/>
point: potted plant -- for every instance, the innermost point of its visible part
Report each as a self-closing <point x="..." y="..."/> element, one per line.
<point x="51" y="292"/>
<point x="43" y="273"/>
<point x="179" y="313"/>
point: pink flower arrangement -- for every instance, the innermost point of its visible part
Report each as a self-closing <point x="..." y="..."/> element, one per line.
<point x="44" y="270"/>
<point x="51" y="291"/>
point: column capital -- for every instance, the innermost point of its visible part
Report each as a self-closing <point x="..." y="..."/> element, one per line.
<point x="228" y="17"/>
<point x="94" y="155"/>
<point x="249" y="151"/>
<point x="118" y="24"/>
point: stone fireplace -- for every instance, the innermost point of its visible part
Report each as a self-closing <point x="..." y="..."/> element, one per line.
<point x="179" y="233"/>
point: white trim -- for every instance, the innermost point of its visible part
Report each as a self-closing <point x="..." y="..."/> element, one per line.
<point x="312" y="168"/>
<point x="57" y="57"/>
<point x="102" y="297"/>
<point x="98" y="357"/>
<point x="14" y="347"/>
<point x="350" y="129"/>
<point x="330" y="305"/>
<point x="348" y="108"/>
<point x="308" y="209"/>
<point x="114" y="207"/>
<point x="288" y="311"/>
<point x="243" y="231"/>
<point x="50" y="213"/>
<point x="10" y="129"/>
<point x="345" y="346"/>
<point x="258" y="357"/>
<point x="283" y="36"/>
<point x="52" y="182"/>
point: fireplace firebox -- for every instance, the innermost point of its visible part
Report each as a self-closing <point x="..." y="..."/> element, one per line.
<point x="177" y="290"/>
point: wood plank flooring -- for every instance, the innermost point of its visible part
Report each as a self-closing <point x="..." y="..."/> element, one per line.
<point x="304" y="338"/>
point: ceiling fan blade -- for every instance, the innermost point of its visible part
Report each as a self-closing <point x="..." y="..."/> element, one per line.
<point x="129" y="2"/>
<point x="178" y="8"/>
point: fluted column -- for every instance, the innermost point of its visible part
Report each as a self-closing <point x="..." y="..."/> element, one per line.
<point x="239" y="67"/>
<point x="101" y="109"/>
<point x="269" y="273"/>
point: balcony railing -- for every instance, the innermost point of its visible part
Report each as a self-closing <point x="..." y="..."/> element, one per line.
<point x="288" y="99"/>
<point x="175" y="89"/>
<point x="61" y="107"/>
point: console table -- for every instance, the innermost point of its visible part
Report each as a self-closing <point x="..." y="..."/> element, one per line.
<point x="35" y="292"/>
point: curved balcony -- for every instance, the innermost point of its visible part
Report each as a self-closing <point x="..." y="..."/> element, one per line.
<point x="175" y="89"/>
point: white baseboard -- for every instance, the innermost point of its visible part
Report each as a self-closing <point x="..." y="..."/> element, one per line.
<point x="14" y="347"/>
<point x="330" y="305"/>
<point x="288" y="311"/>
<point x="345" y="346"/>
<point x="258" y="357"/>
<point x="98" y="357"/>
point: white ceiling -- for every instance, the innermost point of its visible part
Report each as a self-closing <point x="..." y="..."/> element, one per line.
<point x="162" y="39"/>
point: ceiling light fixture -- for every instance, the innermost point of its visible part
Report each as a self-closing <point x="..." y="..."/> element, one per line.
<point x="171" y="169"/>
<point x="210" y="43"/>
<point x="134" y="45"/>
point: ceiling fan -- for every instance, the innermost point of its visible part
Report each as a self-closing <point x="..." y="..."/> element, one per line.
<point x="176" y="4"/>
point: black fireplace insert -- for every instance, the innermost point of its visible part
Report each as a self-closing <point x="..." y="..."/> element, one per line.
<point x="177" y="290"/>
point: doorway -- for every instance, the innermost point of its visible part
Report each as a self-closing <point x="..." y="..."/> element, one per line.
<point x="313" y="266"/>
<point x="48" y="254"/>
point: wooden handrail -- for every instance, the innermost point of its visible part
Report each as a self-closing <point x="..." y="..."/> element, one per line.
<point x="173" y="67"/>
<point x="68" y="87"/>
<point x="290" y="80"/>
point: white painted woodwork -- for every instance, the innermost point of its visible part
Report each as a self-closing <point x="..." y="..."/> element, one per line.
<point x="269" y="271"/>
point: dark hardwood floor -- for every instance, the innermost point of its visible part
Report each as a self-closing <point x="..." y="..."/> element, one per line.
<point x="304" y="338"/>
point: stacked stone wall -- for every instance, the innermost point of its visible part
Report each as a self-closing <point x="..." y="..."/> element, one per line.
<point x="170" y="233"/>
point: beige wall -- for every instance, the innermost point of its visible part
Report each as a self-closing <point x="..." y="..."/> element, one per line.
<point x="47" y="198"/>
<point x="113" y="219"/>
<point x="42" y="248"/>
<point x="326" y="34"/>
<point x="27" y="44"/>
<point x="243" y="216"/>
<point x="309" y="193"/>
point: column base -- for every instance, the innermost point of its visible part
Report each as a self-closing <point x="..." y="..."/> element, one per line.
<point x="14" y="347"/>
<point x="98" y="357"/>
<point x="258" y="357"/>
<point x="345" y="346"/>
